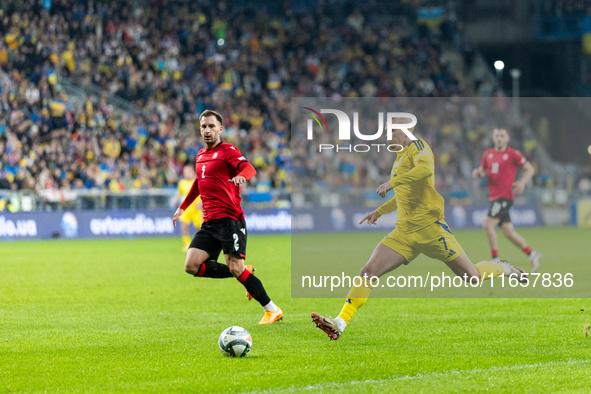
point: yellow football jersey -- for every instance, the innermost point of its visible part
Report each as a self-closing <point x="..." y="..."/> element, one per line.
<point x="184" y="187"/>
<point x="416" y="199"/>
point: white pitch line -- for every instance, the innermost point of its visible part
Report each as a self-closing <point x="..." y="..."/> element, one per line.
<point x="413" y="377"/>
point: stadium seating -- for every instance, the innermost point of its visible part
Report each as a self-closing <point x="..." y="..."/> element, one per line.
<point x="173" y="60"/>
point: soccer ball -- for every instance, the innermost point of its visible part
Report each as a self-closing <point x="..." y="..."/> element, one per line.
<point x="235" y="342"/>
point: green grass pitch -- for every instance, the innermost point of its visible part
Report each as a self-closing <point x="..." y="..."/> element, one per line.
<point x="123" y="316"/>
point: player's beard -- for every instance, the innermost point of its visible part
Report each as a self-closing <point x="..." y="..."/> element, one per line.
<point x="211" y="140"/>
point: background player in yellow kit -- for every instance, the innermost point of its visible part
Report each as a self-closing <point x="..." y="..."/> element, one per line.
<point x="194" y="213"/>
<point x="420" y="228"/>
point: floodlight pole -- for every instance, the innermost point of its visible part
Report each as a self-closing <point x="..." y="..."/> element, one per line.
<point x="515" y="74"/>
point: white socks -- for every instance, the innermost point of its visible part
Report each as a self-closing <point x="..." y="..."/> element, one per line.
<point x="341" y="324"/>
<point x="271" y="307"/>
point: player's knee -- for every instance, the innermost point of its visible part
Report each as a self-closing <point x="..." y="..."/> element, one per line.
<point x="236" y="266"/>
<point x="507" y="231"/>
<point x="367" y="270"/>
<point x="192" y="267"/>
<point x="192" y="264"/>
<point x="236" y="271"/>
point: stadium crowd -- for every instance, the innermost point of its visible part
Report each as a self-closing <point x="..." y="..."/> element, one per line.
<point x="174" y="59"/>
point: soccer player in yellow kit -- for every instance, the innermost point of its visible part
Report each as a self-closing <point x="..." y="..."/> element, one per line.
<point x="420" y="228"/>
<point x="194" y="213"/>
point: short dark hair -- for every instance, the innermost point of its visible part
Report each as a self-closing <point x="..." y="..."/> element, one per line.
<point x="502" y="129"/>
<point x="210" y="112"/>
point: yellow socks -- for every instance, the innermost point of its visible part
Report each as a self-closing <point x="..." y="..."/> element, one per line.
<point x="186" y="240"/>
<point x="356" y="297"/>
<point x="486" y="268"/>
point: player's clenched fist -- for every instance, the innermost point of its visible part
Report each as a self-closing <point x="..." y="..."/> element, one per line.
<point x="518" y="187"/>
<point x="384" y="189"/>
<point x="177" y="215"/>
<point x="237" y="180"/>
<point x="371" y="217"/>
<point x="478" y="173"/>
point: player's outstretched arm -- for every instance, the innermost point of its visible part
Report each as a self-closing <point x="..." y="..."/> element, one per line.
<point x="528" y="173"/>
<point x="478" y="172"/>
<point x="371" y="217"/>
<point x="389" y="206"/>
<point x="238" y="161"/>
<point x="248" y="171"/>
<point x="179" y="211"/>
<point x="385" y="208"/>
<point x="383" y="189"/>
